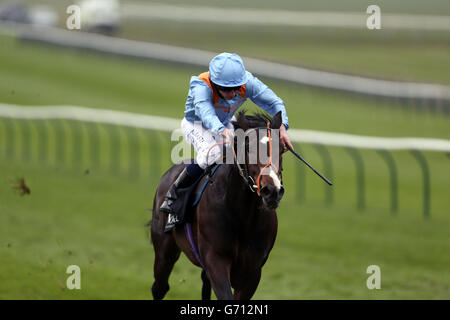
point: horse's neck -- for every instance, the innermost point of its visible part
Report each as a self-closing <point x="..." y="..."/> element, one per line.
<point x="244" y="202"/>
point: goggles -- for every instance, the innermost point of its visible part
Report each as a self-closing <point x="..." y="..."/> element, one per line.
<point x="228" y="89"/>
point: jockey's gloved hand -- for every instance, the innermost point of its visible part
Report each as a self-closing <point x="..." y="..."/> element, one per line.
<point x="285" y="138"/>
<point x="228" y="135"/>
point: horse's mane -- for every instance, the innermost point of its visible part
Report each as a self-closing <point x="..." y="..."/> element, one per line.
<point x="256" y="120"/>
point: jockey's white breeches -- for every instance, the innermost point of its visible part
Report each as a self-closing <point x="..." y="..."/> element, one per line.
<point x="204" y="141"/>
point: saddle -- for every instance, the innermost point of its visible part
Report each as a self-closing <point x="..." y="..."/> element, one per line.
<point x="189" y="197"/>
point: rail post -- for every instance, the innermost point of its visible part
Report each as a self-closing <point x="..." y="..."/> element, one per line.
<point x="426" y="181"/>
<point x="393" y="177"/>
<point x="360" y="179"/>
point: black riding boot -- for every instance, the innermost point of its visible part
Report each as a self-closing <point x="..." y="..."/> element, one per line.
<point x="183" y="180"/>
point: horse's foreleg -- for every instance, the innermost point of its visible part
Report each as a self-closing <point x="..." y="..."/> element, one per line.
<point x="246" y="288"/>
<point x="206" y="288"/>
<point x="166" y="254"/>
<point x="219" y="276"/>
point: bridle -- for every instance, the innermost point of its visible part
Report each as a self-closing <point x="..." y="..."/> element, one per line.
<point x="254" y="185"/>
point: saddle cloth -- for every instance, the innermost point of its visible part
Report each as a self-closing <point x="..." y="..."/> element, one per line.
<point x="190" y="196"/>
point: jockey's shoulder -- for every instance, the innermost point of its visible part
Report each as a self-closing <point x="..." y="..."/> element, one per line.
<point x="196" y="82"/>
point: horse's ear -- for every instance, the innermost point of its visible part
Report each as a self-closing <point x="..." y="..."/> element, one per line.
<point x="243" y="122"/>
<point x="276" y="121"/>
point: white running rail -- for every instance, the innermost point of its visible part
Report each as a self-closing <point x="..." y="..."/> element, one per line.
<point x="292" y="18"/>
<point x="173" y="54"/>
<point x="169" y="124"/>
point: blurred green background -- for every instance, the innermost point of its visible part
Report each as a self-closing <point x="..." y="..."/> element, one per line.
<point x="91" y="183"/>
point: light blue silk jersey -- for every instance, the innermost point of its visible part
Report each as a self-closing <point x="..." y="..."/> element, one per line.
<point x="200" y="106"/>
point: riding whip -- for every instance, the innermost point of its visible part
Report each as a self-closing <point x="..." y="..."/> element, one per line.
<point x="303" y="160"/>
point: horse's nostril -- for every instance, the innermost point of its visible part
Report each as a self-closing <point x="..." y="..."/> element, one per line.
<point x="265" y="192"/>
<point x="269" y="192"/>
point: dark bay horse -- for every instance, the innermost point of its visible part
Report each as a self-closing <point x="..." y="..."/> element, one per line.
<point x="233" y="226"/>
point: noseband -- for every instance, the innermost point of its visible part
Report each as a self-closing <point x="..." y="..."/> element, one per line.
<point x="254" y="186"/>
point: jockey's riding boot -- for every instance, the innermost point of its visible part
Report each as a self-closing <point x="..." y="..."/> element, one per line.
<point x="187" y="176"/>
<point x="184" y="179"/>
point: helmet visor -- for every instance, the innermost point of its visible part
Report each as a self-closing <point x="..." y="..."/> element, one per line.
<point x="228" y="89"/>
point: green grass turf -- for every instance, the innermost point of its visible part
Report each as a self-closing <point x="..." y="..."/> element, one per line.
<point x="417" y="56"/>
<point x="404" y="55"/>
<point x="35" y="75"/>
<point x="96" y="220"/>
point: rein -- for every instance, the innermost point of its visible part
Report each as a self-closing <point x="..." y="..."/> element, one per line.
<point x="269" y="164"/>
<point x="254" y="185"/>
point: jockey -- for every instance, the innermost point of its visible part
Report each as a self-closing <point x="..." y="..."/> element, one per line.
<point x="212" y="100"/>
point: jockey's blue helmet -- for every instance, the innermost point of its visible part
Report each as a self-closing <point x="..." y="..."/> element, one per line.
<point x="227" y="70"/>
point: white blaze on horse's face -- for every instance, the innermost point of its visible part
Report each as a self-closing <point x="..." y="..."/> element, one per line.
<point x="269" y="170"/>
<point x="275" y="179"/>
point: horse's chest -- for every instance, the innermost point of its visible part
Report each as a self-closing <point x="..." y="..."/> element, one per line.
<point x="255" y="241"/>
<point x="253" y="250"/>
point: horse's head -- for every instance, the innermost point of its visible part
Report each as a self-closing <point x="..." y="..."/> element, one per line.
<point x="263" y="154"/>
